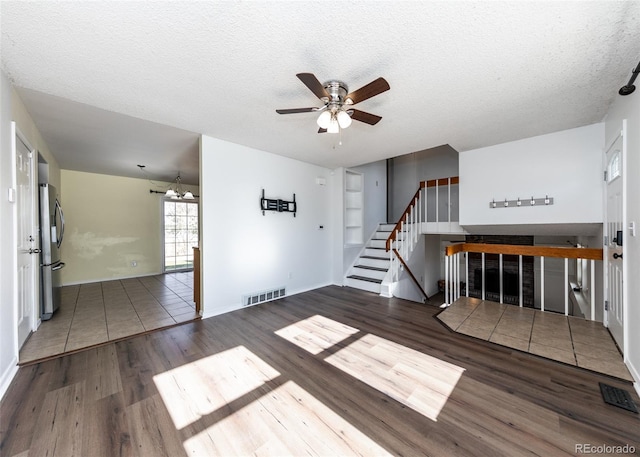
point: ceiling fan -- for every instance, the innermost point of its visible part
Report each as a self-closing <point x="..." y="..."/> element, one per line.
<point x="337" y="110"/>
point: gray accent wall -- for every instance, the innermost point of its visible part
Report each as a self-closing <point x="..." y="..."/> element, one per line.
<point x="405" y="173"/>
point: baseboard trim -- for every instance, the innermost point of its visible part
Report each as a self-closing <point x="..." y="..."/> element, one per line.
<point x="635" y="374"/>
<point x="237" y="306"/>
<point x="119" y="278"/>
<point x="8" y="376"/>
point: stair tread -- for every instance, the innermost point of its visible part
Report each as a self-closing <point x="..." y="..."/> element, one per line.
<point x="364" y="278"/>
<point x="373" y="257"/>
<point x="367" y="267"/>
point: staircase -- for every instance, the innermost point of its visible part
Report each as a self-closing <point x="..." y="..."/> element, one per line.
<point x="383" y="260"/>
<point x="372" y="265"/>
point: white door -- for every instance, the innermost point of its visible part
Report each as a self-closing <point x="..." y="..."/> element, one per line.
<point x="615" y="239"/>
<point x="26" y="237"/>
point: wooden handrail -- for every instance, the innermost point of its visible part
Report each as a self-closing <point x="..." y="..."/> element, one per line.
<point x="440" y="182"/>
<point x="398" y="226"/>
<point x="416" y="197"/>
<point x="408" y="270"/>
<point x="536" y="251"/>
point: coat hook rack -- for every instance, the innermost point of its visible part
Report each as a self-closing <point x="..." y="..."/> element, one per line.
<point x="281" y="206"/>
<point x="545" y="201"/>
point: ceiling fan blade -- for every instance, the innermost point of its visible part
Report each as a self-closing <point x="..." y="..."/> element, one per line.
<point x="321" y="130"/>
<point x="313" y="84"/>
<point x="367" y="118"/>
<point x="296" y="110"/>
<point x="370" y="90"/>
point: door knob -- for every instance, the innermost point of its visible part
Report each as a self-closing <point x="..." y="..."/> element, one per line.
<point x="35" y="251"/>
<point x="617" y="256"/>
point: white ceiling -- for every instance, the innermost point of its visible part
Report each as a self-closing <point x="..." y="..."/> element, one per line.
<point x="469" y="74"/>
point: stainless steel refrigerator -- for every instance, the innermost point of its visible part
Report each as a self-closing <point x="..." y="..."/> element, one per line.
<point x="51" y="235"/>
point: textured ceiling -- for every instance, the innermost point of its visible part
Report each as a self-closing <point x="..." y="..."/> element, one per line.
<point x="469" y="74"/>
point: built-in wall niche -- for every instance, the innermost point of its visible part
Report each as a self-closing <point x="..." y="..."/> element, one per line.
<point x="353" y="207"/>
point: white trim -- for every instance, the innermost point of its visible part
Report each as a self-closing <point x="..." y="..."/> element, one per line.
<point x="120" y="278"/>
<point x="8" y="376"/>
<point x="14" y="253"/>
<point x="625" y="258"/>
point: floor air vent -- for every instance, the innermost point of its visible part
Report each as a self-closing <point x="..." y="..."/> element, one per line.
<point x="617" y="397"/>
<point x="261" y="297"/>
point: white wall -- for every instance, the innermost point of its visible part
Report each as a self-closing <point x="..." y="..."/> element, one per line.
<point x="565" y="165"/>
<point x="374" y="205"/>
<point x="628" y="107"/>
<point x="245" y="252"/>
<point x="8" y="350"/>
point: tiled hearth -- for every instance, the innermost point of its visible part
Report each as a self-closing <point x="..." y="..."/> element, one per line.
<point x="566" y="339"/>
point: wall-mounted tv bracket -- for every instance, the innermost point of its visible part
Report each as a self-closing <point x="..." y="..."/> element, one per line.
<point x="281" y="206"/>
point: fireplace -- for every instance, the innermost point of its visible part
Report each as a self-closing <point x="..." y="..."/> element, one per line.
<point x="510" y="271"/>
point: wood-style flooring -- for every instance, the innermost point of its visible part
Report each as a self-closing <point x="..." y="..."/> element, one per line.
<point x="95" y="313"/>
<point x="334" y="371"/>
<point x="567" y="339"/>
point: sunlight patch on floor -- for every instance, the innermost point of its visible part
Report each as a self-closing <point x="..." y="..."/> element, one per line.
<point x="316" y="333"/>
<point x="199" y="388"/>
<point x="417" y="380"/>
<point x="285" y="421"/>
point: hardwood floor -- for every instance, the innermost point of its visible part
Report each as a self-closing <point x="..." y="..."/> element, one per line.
<point x="95" y="313"/>
<point x="335" y="371"/>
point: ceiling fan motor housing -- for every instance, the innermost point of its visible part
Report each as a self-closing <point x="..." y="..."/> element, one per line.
<point x="337" y="91"/>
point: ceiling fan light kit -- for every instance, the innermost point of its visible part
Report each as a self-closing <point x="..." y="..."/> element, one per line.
<point x="337" y="112"/>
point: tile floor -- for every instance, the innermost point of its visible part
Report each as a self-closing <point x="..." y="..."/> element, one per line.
<point x="570" y="340"/>
<point x="98" y="312"/>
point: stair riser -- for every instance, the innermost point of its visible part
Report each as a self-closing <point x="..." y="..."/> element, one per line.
<point x="386" y="227"/>
<point x="376" y="252"/>
<point x="362" y="285"/>
<point x="368" y="273"/>
<point x="381" y="235"/>
<point x="374" y="263"/>
<point x="378" y="243"/>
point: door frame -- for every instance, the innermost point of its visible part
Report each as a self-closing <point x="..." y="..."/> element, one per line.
<point x="605" y="269"/>
<point x="34" y="317"/>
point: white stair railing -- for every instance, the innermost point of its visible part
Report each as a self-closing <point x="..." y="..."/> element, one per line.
<point x="406" y="234"/>
<point x="453" y="278"/>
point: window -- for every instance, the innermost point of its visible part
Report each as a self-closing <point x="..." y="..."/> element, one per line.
<point x="614" y="167"/>
<point x="180" y="234"/>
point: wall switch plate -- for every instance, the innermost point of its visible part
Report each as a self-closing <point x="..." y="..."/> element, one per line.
<point x="11" y="194"/>
<point x="632" y="228"/>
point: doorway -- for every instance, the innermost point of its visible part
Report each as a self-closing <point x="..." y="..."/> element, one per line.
<point x="614" y="228"/>
<point x="26" y="236"/>
<point x="180" y="234"/>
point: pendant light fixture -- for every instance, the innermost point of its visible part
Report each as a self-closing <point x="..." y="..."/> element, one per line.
<point x="177" y="193"/>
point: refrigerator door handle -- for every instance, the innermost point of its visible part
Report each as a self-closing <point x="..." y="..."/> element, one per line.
<point x="59" y="210"/>
<point x="58" y="266"/>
